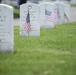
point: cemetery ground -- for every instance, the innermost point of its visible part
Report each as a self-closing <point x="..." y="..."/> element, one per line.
<point x="53" y="53"/>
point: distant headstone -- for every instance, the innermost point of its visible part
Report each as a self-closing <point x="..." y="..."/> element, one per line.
<point x="59" y="8"/>
<point x="29" y="20"/>
<point x="66" y="12"/>
<point x="62" y="11"/>
<point x="47" y="15"/>
<point x="6" y="28"/>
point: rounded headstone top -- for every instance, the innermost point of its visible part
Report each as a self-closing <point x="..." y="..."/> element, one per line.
<point x="28" y="3"/>
<point x="5" y="5"/>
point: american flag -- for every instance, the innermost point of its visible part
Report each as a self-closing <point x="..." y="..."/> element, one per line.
<point x="27" y="24"/>
<point x="65" y="16"/>
<point x="50" y="16"/>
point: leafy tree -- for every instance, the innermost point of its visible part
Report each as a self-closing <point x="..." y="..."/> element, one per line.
<point x="22" y="1"/>
<point x="0" y="1"/>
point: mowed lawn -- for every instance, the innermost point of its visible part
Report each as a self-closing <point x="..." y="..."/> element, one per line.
<point x="52" y="53"/>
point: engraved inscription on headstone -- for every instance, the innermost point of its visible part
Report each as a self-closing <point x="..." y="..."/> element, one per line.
<point x="29" y="20"/>
<point x="6" y="28"/>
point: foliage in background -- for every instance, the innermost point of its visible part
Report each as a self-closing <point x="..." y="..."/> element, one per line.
<point x="73" y="5"/>
<point x="0" y="1"/>
<point x="16" y="12"/>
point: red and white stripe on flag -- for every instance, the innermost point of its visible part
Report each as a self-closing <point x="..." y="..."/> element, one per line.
<point x="27" y="27"/>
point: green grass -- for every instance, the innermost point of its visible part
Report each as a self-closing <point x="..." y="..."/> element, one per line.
<point x="16" y="12"/>
<point x="53" y="53"/>
<point x="73" y="5"/>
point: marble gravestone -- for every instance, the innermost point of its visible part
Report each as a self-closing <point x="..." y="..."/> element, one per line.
<point x="6" y="28"/>
<point x="29" y="20"/>
<point x="59" y="8"/>
<point x="47" y="15"/>
<point x="66" y="12"/>
<point x="63" y="12"/>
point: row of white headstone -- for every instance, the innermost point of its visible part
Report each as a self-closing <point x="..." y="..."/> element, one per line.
<point x="44" y="15"/>
<point x="32" y="17"/>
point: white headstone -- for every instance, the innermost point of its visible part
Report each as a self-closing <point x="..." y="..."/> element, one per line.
<point x="6" y="28"/>
<point x="62" y="11"/>
<point x="29" y="20"/>
<point x="47" y="15"/>
<point x="66" y="12"/>
<point x="59" y="8"/>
